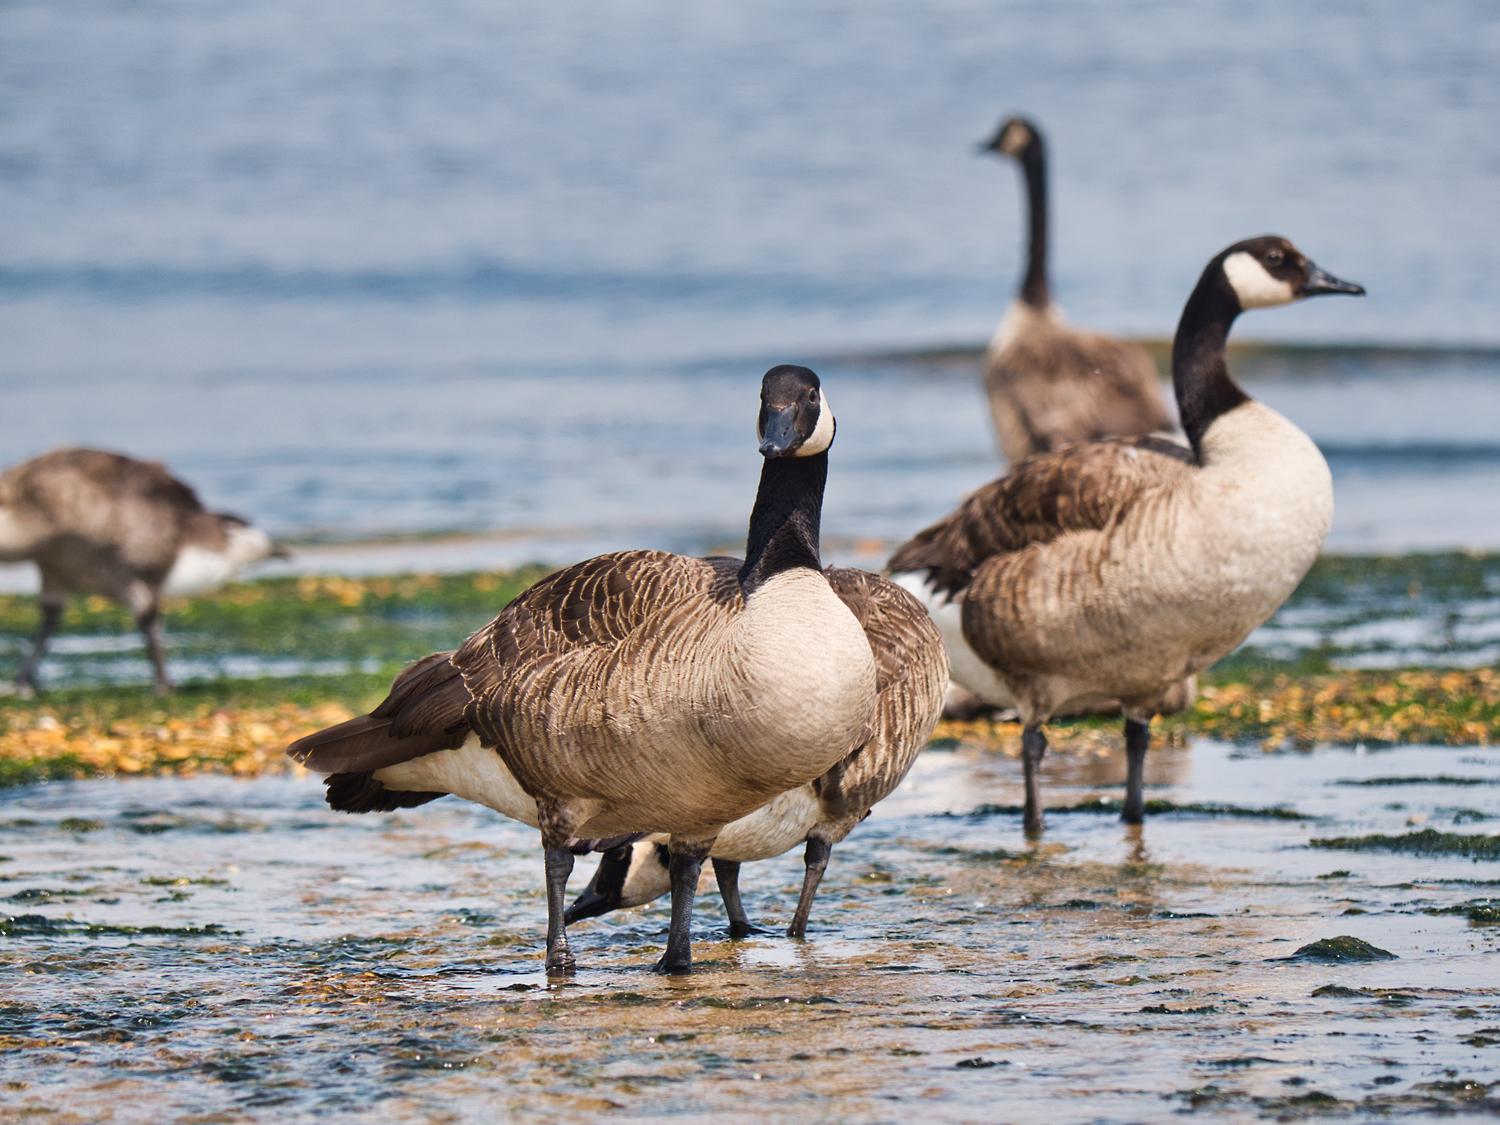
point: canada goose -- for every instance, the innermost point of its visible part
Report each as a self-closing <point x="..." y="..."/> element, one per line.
<point x="102" y="523"/>
<point x="1119" y="568"/>
<point x="638" y="692"/>
<point x="1049" y="384"/>
<point x="911" y="672"/>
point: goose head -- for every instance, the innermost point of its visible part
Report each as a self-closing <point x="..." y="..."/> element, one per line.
<point x="244" y="543"/>
<point x="628" y="875"/>
<point x="1268" y="271"/>
<point x="1014" y="137"/>
<point x="795" y="418"/>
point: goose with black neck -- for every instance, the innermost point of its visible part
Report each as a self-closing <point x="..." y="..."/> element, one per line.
<point x="1117" y="569"/>
<point x="638" y="692"/>
<point x="1048" y="383"/>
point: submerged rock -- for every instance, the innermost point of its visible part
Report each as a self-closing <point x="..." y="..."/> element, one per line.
<point x="1340" y="949"/>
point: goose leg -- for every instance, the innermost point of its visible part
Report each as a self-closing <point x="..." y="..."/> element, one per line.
<point x="727" y="873"/>
<point x="685" y="865"/>
<point x="149" y="622"/>
<point x="1137" y="740"/>
<point x="52" y="610"/>
<point x="559" y="863"/>
<point x="1033" y="747"/>
<point x="815" y="861"/>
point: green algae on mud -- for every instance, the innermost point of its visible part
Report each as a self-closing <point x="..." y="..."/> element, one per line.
<point x="1479" y="911"/>
<point x="315" y="641"/>
<point x="38" y="925"/>
<point x="1155" y="806"/>
<point x="1426" y="842"/>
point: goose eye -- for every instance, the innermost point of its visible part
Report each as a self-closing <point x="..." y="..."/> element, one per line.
<point x="1274" y="257"/>
<point x="812" y="397"/>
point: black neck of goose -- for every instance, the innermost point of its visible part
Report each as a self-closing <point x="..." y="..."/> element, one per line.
<point x="1034" y="289"/>
<point x="1200" y="373"/>
<point x="785" y="522"/>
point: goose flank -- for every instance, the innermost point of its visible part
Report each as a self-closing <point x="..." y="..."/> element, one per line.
<point x="1049" y="384"/>
<point x="102" y="523"/>
<point x="1120" y="568"/>
<point x="639" y="692"/>
<point x="911" y="674"/>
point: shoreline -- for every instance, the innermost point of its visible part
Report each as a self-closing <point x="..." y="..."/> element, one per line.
<point x="1372" y="650"/>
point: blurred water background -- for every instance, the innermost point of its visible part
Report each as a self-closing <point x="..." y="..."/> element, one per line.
<point x="389" y="269"/>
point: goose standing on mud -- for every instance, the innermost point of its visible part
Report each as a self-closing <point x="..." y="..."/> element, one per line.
<point x="638" y="692"/>
<point x="911" y="673"/>
<point x="102" y="523"/>
<point x="1049" y="384"/>
<point x="1119" y="568"/>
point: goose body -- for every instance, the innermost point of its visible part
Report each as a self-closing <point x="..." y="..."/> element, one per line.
<point x="638" y="692"/>
<point x="1049" y="384"/>
<point x="676" y="659"/>
<point x="911" y="674"/>
<point x="102" y="523"/>
<point x="1119" y="568"/>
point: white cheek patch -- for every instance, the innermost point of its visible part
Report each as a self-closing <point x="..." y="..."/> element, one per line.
<point x="1013" y="141"/>
<point x="247" y="545"/>
<point x="1255" y="288"/>
<point x="822" y="435"/>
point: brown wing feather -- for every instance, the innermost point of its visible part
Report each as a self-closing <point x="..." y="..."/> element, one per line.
<point x="1053" y="385"/>
<point x="1079" y="488"/>
<point x="423" y="713"/>
<point x="527" y="660"/>
<point x="911" y="675"/>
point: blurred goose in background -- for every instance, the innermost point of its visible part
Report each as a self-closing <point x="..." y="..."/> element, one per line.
<point x="102" y="523"/>
<point x="911" y="672"/>
<point x="640" y="692"/>
<point x="1119" y="568"/>
<point x="1049" y="384"/>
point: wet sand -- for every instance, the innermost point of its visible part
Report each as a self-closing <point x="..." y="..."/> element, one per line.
<point x="206" y="948"/>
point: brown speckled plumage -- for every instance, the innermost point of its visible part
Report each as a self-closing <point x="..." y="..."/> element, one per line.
<point x="1050" y="385"/>
<point x="911" y="674"/>
<point x="1083" y="488"/>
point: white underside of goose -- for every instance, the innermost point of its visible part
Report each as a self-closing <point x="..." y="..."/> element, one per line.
<point x="965" y="667"/>
<point x="474" y="772"/>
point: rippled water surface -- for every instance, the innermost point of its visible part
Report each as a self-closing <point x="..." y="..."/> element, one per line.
<point x="211" y="947"/>
<point x="477" y="268"/>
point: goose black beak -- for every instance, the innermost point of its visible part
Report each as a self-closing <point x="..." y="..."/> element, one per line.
<point x="778" y="431"/>
<point x="590" y="904"/>
<point x="279" y="551"/>
<point x="1318" y="283"/>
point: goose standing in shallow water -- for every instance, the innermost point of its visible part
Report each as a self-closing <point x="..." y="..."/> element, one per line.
<point x="1120" y="568"/>
<point x="102" y="523"/>
<point x="911" y="673"/>
<point x="638" y="692"/>
<point x="1049" y="384"/>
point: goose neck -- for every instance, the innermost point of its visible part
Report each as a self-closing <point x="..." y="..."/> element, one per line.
<point x="786" y="520"/>
<point x="1200" y="372"/>
<point x="1034" y="288"/>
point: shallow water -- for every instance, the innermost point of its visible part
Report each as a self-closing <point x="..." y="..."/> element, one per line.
<point x="571" y="463"/>
<point x="312" y="963"/>
<point x="475" y="269"/>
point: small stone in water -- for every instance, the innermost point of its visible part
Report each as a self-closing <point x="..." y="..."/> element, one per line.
<point x="1340" y="949"/>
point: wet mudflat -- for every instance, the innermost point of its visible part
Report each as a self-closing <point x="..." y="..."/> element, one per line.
<point x="206" y="948"/>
